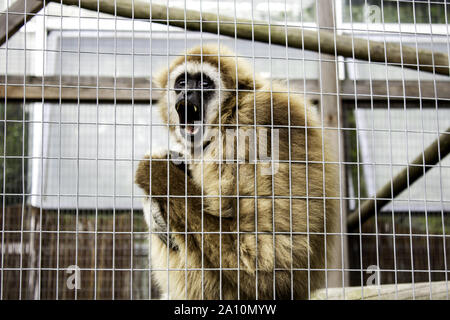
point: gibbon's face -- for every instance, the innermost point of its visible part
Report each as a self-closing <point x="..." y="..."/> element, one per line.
<point x="194" y="99"/>
<point x="194" y="91"/>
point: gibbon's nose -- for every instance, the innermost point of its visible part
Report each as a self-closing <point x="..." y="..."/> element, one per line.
<point x="189" y="108"/>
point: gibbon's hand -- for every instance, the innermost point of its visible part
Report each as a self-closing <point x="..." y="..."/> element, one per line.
<point x="181" y="191"/>
<point x="161" y="164"/>
<point x="183" y="197"/>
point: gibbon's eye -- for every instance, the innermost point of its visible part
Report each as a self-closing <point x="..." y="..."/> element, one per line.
<point x="181" y="82"/>
<point x="206" y="84"/>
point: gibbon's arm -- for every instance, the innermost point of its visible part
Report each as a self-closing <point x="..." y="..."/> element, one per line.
<point x="188" y="201"/>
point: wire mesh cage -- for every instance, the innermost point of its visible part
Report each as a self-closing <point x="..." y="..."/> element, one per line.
<point x="255" y="149"/>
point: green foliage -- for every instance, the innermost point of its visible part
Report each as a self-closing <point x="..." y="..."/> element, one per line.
<point x="420" y="223"/>
<point x="13" y="148"/>
<point x="352" y="155"/>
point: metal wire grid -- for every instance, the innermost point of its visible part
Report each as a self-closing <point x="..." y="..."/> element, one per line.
<point x="344" y="269"/>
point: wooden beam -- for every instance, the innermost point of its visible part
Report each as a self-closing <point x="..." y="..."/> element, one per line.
<point x="332" y="115"/>
<point x="72" y="89"/>
<point x="396" y="89"/>
<point x="376" y="90"/>
<point x="292" y="36"/>
<point x="404" y="291"/>
<point x="16" y="16"/>
<point x="434" y="153"/>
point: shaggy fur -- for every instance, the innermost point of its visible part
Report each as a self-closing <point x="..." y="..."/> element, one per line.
<point x="282" y="218"/>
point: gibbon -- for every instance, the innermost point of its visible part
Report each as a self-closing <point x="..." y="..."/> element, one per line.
<point x="242" y="226"/>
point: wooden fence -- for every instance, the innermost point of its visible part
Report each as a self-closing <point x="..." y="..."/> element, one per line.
<point x="402" y="254"/>
<point x="110" y="250"/>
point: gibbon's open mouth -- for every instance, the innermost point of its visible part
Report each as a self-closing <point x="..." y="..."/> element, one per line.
<point x="190" y="117"/>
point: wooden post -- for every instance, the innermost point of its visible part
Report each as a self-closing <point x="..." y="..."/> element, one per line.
<point x="331" y="108"/>
<point x="17" y="15"/>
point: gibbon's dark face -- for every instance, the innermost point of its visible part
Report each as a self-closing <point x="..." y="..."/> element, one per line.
<point x="193" y="94"/>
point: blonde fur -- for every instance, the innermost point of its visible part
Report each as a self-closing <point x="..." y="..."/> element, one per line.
<point x="251" y="229"/>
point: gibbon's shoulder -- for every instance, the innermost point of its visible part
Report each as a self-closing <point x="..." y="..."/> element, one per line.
<point x="235" y="72"/>
<point x="273" y="102"/>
